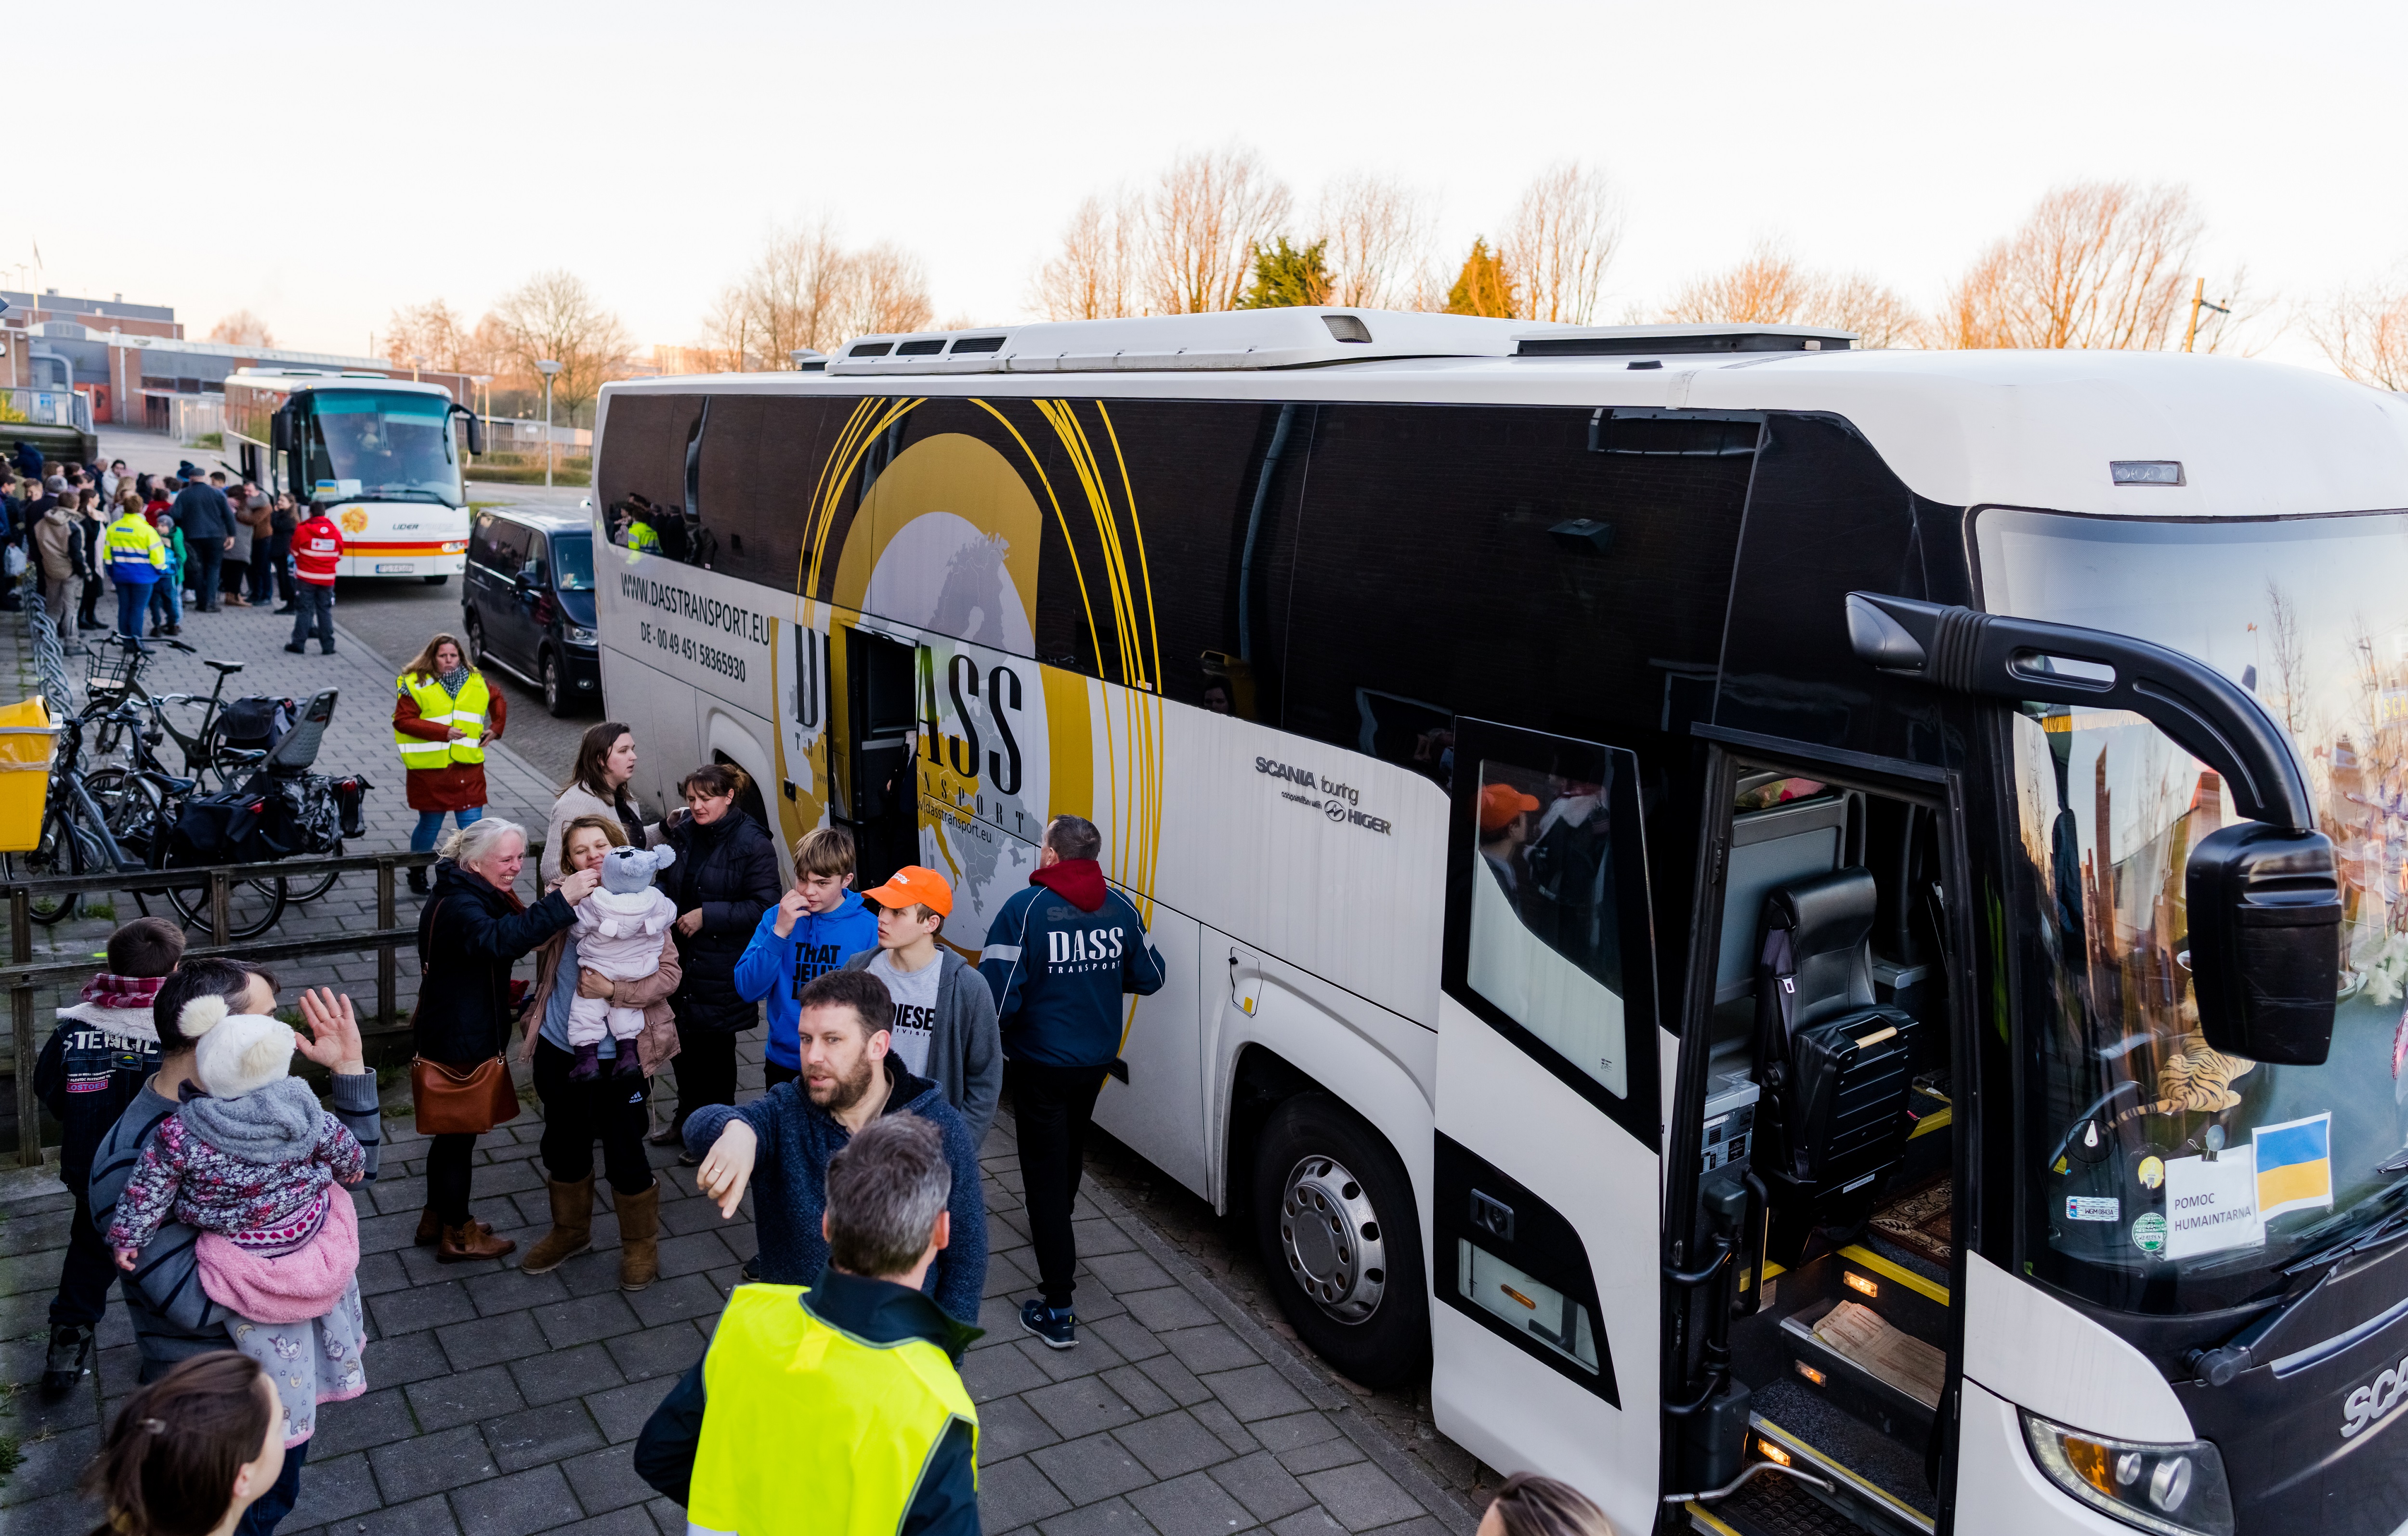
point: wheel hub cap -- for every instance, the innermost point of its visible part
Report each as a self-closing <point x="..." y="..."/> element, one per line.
<point x="1331" y="1238"/>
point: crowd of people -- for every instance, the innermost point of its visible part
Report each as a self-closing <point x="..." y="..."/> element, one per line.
<point x="214" y="1188"/>
<point x="163" y="543"/>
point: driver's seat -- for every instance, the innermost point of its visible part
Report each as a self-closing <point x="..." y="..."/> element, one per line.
<point x="1833" y="1061"/>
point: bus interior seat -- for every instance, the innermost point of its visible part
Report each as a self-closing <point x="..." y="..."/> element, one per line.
<point x="1771" y="845"/>
<point x="1833" y="1060"/>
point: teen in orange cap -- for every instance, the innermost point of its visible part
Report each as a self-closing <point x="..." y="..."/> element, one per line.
<point x="1502" y="831"/>
<point x="943" y="1027"/>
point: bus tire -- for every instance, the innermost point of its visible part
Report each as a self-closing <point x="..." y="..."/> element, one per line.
<point x="436" y="581"/>
<point x="1334" y="1221"/>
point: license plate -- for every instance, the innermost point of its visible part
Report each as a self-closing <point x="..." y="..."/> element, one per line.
<point x="396" y="567"/>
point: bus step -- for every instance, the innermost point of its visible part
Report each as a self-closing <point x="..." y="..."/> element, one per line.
<point x="1850" y="1353"/>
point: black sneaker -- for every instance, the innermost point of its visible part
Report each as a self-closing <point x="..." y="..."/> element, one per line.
<point x="70" y="1355"/>
<point x="298" y="649"/>
<point x="1057" y="1326"/>
<point x="750" y="1268"/>
<point x="417" y="878"/>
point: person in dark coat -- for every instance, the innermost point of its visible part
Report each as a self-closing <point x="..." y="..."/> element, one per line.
<point x="724" y="878"/>
<point x="469" y="935"/>
<point x="202" y="510"/>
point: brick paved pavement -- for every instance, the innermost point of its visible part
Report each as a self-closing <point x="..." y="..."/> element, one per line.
<point x="502" y="1403"/>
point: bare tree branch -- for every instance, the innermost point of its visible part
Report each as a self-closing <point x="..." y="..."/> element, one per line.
<point x="555" y="315"/>
<point x="1095" y="275"/>
<point x="1209" y="211"/>
<point x="1561" y="240"/>
<point x="2097" y="263"/>
<point x="1375" y="233"/>
<point x="243" y="329"/>
<point x="2364" y="333"/>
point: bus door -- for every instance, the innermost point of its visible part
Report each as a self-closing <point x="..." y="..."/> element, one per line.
<point x="878" y="796"/>
<point x="1545" y="1332"/>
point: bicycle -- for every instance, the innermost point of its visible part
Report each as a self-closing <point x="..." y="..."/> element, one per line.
<point x="117" y="682"/>
<point x="122" y="819"/>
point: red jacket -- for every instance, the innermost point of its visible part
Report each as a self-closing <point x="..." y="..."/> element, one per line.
<point x="317" y="545"/>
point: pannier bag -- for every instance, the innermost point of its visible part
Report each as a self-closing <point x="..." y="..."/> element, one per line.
<point x="227" y="827"/>
<point x="350" y="794"/>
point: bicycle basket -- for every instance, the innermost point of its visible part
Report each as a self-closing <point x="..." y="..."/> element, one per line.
<point x="116" y="663"/>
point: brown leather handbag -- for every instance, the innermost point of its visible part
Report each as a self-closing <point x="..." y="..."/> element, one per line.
<point x="448" y="1100"/>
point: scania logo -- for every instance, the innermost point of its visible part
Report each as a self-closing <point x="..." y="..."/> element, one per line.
<point x="2374" y="1399"/>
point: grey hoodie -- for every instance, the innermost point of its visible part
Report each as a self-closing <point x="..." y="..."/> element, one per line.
<point x="964" y="1046"/>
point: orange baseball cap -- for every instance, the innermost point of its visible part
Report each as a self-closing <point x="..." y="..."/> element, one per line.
<point x="912" y="885"/>
<point x="1499" y="804"/>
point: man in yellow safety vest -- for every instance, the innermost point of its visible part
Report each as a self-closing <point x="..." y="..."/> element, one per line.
<point x="836" y="1410"/>
<point x="135" y="557"/>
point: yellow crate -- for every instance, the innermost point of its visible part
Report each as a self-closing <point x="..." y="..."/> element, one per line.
<point x="27" y="739"/>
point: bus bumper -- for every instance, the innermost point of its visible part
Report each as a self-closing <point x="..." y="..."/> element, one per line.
<point x="402" y="563"/>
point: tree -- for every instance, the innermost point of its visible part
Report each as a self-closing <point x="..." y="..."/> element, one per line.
<point x="1769" y="288"/>
<point x="432" y="332"/>
<point x="1287" y="275"/>
<point x="1485" y="285"/>
<point x="1373" y="231"/>
<point x="555" y="315"/>
<point x="788" y="299"/>
<point x="1209" y="211"/>
<point x="1560" y="242"/>
<point x="243" y="329"/>
<point x="885" y="289"/>
<point x="1094" y="274"/>
<point x="2097" y="263"/>
<point x="2363" y="332"/>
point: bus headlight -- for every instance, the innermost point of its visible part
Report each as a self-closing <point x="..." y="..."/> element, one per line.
<point x="2175" y="1490"/>
<point x="454" y="546"/>
<point x="578" y="636"/>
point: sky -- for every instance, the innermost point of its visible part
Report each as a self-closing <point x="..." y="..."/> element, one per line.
<point x="323" y="165"/>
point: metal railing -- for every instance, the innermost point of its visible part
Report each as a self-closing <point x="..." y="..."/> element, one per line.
<point x="49" y="648"/>
<point x="24" y="406"/>
<point x="22" y="975"/>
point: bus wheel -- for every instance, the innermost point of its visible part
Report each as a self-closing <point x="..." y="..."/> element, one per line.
<point x="1334" y="1218"/>
<point x="436" y="581"/>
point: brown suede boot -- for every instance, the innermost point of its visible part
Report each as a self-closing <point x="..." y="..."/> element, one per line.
<point x="471" y="1240"/>
<point x="572" y="1227"/>
<point x="430" y="1229"/>
<point x="640" y="1239"/>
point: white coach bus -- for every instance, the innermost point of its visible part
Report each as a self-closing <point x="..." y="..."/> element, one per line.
<point x="1818" y="935"/>
<point x="382" y="455"/>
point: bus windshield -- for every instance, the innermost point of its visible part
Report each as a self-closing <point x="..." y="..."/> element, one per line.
<point x="382" y="447"/>
<point x="2173" y="1178"/>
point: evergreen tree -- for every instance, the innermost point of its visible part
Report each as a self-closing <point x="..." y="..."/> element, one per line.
<point x="1286" y="275"/>
<point x="1485" y="287"/>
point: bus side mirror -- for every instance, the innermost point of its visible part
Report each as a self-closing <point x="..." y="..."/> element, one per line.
<point x="280" y="431"/>
<point x="2264" y="942"/>
<point x="476" y="432"/>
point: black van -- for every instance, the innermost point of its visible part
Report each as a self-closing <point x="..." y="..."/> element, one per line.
<point x="528" y="603"/>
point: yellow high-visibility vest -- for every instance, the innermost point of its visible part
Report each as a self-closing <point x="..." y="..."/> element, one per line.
<point x="641" y="537"/>
<point x="810" y="1431"/>
<point x="131" y="549"/>
<point x="468" y="713"/>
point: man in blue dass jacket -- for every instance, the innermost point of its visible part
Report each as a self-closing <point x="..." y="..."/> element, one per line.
<point x="1060" y="956"/>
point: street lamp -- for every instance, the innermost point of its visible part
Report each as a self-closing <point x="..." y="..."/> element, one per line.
<point x="416" y="364"/>
<point x="546" y="367"/>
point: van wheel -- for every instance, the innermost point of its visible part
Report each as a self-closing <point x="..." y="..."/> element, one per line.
<point x="555" y="688"/>
<point x="1335" y="1221"/>
<point x="476" y="641"/>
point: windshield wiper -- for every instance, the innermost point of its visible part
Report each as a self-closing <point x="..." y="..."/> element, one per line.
<point x="2357" y="1242"/>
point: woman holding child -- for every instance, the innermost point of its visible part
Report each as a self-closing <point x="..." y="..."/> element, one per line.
<point x="608" y="1106"/>
<point x="469" y="936"/>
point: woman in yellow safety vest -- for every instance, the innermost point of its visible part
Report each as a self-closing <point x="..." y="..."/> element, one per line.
<point x="443" y="716"/>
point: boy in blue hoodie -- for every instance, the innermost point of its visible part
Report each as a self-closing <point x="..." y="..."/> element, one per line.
<point x="815" y="928"/>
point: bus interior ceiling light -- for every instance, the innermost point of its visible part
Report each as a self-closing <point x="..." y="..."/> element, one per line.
<point x="2146" y="471"/>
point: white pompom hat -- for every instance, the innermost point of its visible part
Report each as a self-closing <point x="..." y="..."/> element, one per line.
<point x="234" y="1053"/>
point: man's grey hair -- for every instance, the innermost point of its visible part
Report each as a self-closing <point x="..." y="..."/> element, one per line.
<point x="884" y="1192"/>
<point x="1074" y="837"/>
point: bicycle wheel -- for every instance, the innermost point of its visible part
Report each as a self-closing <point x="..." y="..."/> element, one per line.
<point x="133" y="808"/>
<point x="252" y="906"/>
<point x="316" y="885"/>
<point x="59" y="853"/>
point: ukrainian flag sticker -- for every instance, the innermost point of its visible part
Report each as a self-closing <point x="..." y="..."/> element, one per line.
<point x="2294" y="1166"/>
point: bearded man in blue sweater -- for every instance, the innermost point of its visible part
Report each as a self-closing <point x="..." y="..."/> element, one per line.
<point x="778" y="1145"/>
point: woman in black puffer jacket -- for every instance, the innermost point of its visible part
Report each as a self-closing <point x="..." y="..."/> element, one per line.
<point x="724" y="878"/>
<point x="470" y="934"/>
